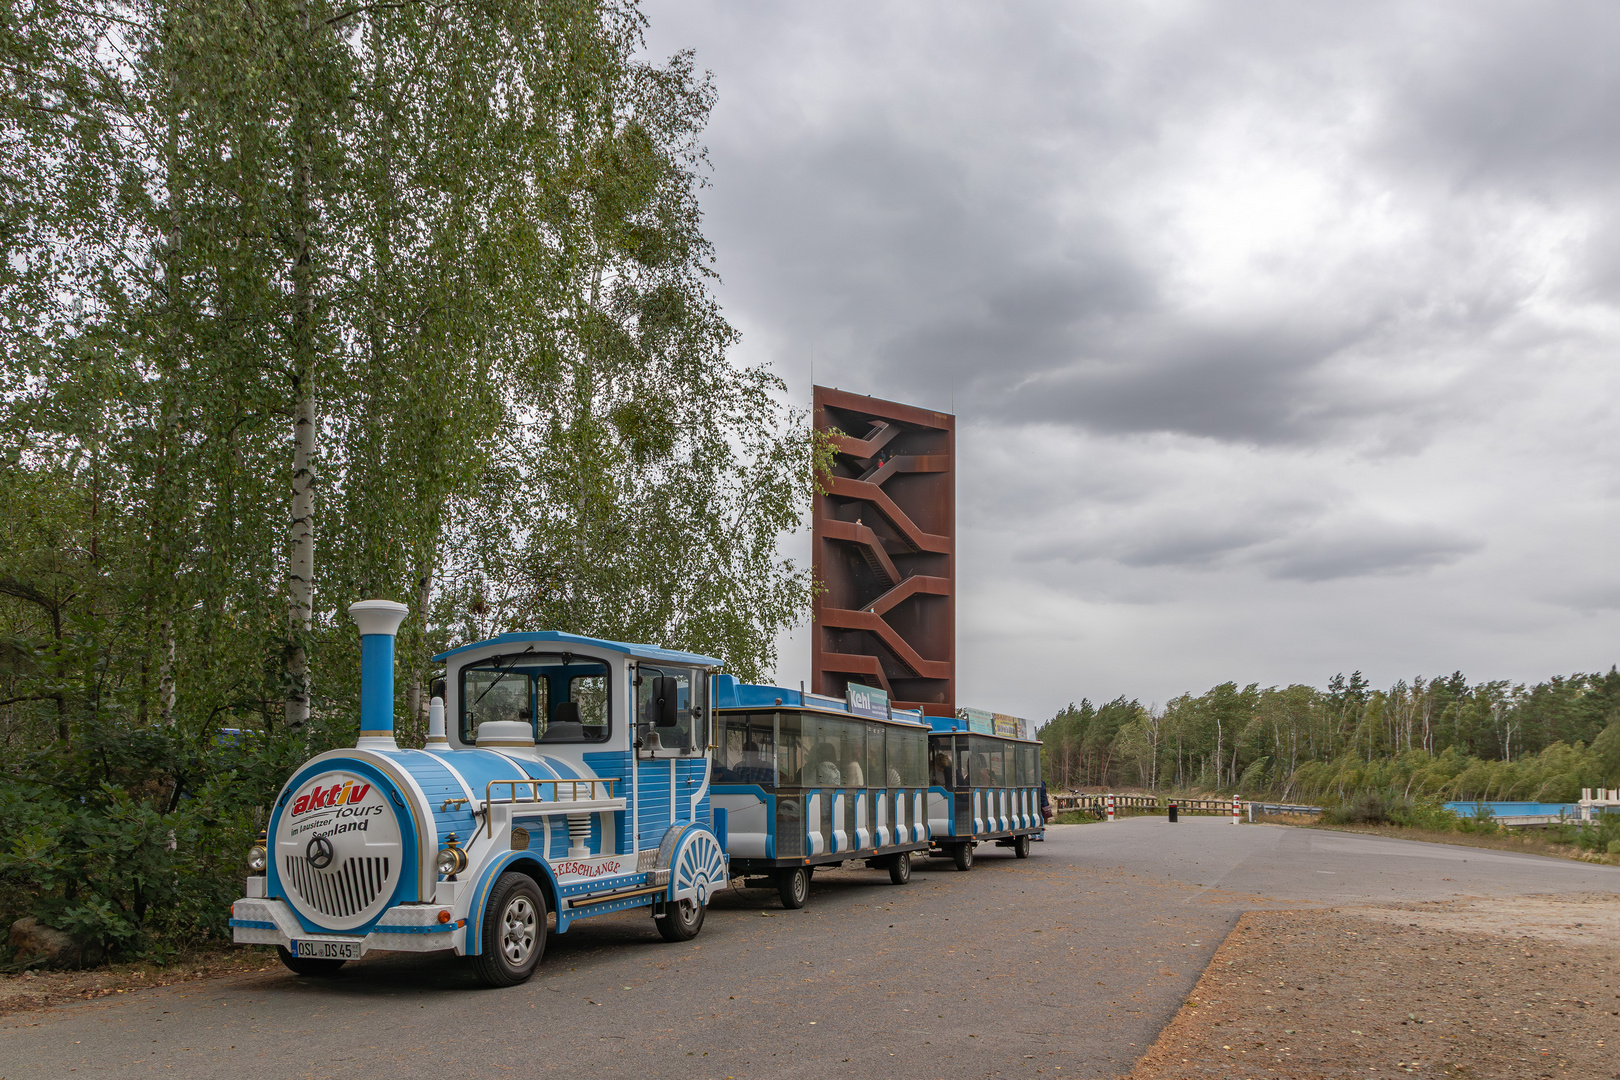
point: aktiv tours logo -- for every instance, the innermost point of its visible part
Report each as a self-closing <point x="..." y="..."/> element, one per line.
<point x="323" y="797"/>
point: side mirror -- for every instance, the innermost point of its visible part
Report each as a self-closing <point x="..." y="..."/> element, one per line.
<point x="664" y="690"/>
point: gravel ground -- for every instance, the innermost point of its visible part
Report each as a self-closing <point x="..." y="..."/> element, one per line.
<point x="38" y="989"/>
<point x="1504" y="987"/>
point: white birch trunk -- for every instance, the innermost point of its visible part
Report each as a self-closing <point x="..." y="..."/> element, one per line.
<point x="301" y="556"/>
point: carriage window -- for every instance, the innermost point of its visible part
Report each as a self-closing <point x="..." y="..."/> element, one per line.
<point x="792" y="746"/>
<point x="998" y="765"/>
<point x="939" y="763"/>
<point x="877" y="773"/>
<point x="852" y="754"/>
<point x="828" y="752"/>
<point x="747" y="753"/>
<point x="906" y="753"/>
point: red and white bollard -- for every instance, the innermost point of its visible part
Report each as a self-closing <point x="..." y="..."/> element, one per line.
<point x="1110" y="808"/>
<point x="1237" y="808"/>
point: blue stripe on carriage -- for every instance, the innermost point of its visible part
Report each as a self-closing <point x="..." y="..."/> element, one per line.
<point x="252" y="924"/>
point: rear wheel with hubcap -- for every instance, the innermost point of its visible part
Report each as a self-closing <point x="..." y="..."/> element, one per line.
<point x="514" y="931"/>
<point x="308" y="966"/>
<point x="1021" y="846"/>
<point x="681" y="921"/>
<point x="793" y="886"/>
<point x="900" y="868"/>
<point x="962" y="855"/>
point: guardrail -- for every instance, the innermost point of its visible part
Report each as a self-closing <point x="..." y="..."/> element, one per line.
<point x="1281" y="808"/>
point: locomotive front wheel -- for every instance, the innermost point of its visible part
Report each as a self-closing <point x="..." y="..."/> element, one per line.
<point x="793" y="886"/>
<point x="900" y="868"/>
<point x="962" y="855"/>
<point x="514" y="931"/>
<point x="309" y="966"/>
<point x="1021" y="846"/>
<point x="682" y="920"/>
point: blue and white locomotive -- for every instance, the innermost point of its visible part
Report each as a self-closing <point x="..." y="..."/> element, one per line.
<point x="566" y="776"/>
<point x="563" y="774"/>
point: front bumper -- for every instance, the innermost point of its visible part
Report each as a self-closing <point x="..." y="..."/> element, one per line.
<point x="402" y="928"/>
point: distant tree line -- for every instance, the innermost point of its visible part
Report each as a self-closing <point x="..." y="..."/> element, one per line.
<point x="1430" y="738"/>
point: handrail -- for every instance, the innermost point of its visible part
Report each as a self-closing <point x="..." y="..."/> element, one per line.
<point x="534" y="796"/>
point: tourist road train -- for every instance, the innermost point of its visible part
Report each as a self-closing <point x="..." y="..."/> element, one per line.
<point x="570" y="776"/>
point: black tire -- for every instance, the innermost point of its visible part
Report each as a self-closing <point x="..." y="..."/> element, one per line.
<point x="1021" y="846"/>
<point x="514" y="931"/>
<point x="900" y="868"/>
<point x="308" y="966"/>
<point x="962" y="855"/>
<point x="793" y="886"/>
<point x="682" y="920"/>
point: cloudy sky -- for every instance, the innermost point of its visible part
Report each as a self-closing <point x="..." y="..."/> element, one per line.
<point x="1282" y="337"/>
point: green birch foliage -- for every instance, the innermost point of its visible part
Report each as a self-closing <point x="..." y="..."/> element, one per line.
<point x="464" y="241"/>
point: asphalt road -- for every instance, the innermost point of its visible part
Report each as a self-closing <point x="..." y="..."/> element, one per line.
<point x="1066" y="964"/>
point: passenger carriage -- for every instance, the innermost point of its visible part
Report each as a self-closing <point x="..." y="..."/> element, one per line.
<point x="564" y="776"/>
<point x="983" y="788"/>
<point x="808" y="781"/>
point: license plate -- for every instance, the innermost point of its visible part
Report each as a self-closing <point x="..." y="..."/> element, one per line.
<point x="327" y="950"/>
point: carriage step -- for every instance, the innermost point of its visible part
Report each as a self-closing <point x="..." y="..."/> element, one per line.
<point x="608" y="898"/>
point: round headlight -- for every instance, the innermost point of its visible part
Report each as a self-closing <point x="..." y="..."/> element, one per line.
<point x="256" y="859"/>
<point x="452" y="860"/>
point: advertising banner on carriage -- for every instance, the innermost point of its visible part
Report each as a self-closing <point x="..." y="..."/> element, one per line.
<point x="868" y="701"/>
<point x="980" y="722"/>
<point x="1008" y="727"/>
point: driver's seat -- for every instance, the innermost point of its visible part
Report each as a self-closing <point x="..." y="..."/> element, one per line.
<point x="565" y="725"/>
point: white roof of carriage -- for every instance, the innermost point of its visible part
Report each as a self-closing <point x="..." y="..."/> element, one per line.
<point x="557" y="637"/>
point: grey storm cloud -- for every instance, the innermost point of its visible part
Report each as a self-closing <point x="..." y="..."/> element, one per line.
<point x="1249" y="308"/>
<point x="1363" y="548"/>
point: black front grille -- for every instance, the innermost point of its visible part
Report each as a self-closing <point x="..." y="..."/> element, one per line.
<point x="341" y="891"/>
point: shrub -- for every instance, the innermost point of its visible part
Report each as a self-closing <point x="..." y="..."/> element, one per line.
<point x="1390" y="808"/>
<point x="1482" y="820"/>
<point x="135" y="839"/>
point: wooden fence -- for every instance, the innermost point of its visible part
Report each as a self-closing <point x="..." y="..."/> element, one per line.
<point x="1070" y="801"/>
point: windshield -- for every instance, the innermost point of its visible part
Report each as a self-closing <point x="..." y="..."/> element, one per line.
<point x="563" y="698"/>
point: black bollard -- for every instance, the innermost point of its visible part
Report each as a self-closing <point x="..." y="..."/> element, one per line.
<point x="1172" y="811"/>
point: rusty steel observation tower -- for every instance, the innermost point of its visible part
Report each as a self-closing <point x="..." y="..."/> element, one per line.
<point x="883" y="541"/>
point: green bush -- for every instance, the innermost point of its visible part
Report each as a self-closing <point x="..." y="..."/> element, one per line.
<point x="1482" y="820"/>
<point x="1390" y="808"/>
<point x="135" y="838"/>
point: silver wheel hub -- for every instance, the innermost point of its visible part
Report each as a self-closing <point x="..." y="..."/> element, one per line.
<point x="518" y="925"/>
